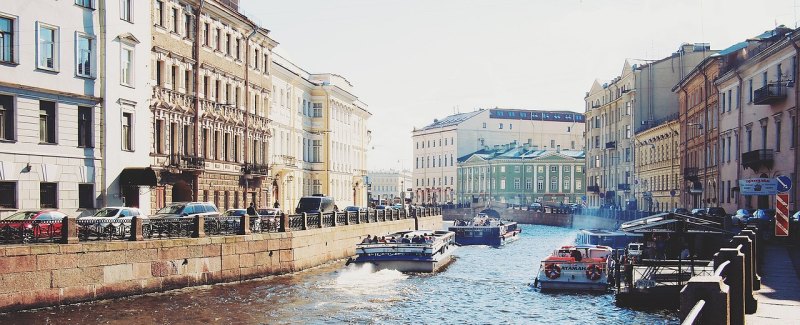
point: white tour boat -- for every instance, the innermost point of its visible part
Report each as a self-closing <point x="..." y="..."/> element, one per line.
<point x="421" y="251"/>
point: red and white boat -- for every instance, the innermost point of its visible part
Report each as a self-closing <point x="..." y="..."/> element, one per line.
<point x="581" y="267"/>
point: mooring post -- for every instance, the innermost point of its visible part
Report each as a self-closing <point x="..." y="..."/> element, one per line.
<point x="136" y="229"/>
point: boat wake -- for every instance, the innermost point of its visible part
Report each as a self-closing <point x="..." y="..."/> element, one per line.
<point x="363" y="278"/>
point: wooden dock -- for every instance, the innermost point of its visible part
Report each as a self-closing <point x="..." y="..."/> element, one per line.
<point x="779" y="297"/>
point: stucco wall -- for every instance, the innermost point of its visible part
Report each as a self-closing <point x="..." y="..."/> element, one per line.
<point x="43" y="275"/>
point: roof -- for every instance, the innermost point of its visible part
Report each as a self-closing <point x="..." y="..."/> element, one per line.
<point x="454" y="119"/>
<point x="512" y="151"/>
<point x="672" y="223"/>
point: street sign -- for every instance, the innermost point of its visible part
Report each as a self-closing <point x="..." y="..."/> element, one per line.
<point x="782" y="215"/>
<point x="784" y="183"/>
<point x="758" y="186"/>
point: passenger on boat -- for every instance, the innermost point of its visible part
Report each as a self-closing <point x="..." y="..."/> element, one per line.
<point x="576" y="254"/>
<point x="382" y="240"/>
<point x="367" y="240"/>
<point x="375" y="239"/>
<point x="405" y="240"/>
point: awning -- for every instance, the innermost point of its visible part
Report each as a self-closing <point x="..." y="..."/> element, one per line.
<point x="138" y="177"/>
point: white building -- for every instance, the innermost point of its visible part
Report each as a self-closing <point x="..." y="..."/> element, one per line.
<point x="438" y="145"/>
<point x="54" y="121"/>
<point x="389" y="187"/>
<point x="319" y="137"/>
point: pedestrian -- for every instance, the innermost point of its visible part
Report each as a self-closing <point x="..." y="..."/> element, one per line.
<point x="276" y="205"/>
<point x="251" y="210"/>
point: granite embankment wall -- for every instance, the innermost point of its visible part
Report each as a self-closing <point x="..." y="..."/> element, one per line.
<point x="41" y="275"/>
<point x="575" y="221"/>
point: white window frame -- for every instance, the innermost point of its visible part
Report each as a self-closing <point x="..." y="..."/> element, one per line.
<point x="14" y="38"/>
<point x="129" y="5"/>
<point x="92" y="46"/>
<point x="127" y="108"/>
<point x="132" y="80"/>
<point x="56" y="40"/>
<point x="89" y="5"/>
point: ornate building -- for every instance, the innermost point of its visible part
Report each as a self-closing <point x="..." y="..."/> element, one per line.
<point x="210" y="72"/>
<point x="658" y="164"/>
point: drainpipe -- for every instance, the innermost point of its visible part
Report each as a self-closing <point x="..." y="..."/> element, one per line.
<point x="685" y="158"/>
<point x="247" y="104"/>
<point x="101" y="77"/>
<point x="196" y="88"/>
<point x="704" y="200"/>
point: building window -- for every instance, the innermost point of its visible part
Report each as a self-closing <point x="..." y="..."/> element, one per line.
<point x="528" y="184"/>
<point x="83" y="55"/>
<point x="552" y="143"/>
<point x="8" y="195"/>
<point x="554" y="184"/>
<point x="159" y="13"/>
<point x="6" y="40"/>
<point x="6" y="117"/>
<point x="566" y="184"/>
<point x="502" y="184"/>
<point x="188" y="30"/>
<point x="228" y="44"/>
<point x="501" y="126"/>
<point x="218" y="39"/>
<point x="48" y="47"/>
<point x="484" y="125"/>
<point x="159" y="143"/>
<point x="316" y="147"/>
<point x="539" y="185"/>
<point x="48" y="195"/>
<point x="47" y="122"/>
<point x="238" y="47"/>
<point x="127" y="131"/>
<point x="317" y="110"/>
<point x="554" y="169"/>
<point x="749" y="135"/>
<point x="85" y="127"/>
<point x="517" y="184"/>
<point x="86" y="196"/>
<point x="175" y="21"/>
<point x="126" y="10"/>
<point x="750" y="91"/>
<point x="84" y="3"/>
<point x="126" y="65"/>
<point x="206" y="32"/>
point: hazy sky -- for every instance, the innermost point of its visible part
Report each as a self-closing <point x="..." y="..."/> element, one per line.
<point x="415" y="60"/>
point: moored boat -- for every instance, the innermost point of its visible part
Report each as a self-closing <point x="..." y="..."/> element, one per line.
<point x="416" y="251"/>
<point x="581" y="267"/>
<point x="484" y="230"/>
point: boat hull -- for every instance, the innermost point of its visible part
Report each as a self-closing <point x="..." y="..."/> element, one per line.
<point x="426" y="256"/>
<point x="408" y="265"/>
<point x="485" y="235"/>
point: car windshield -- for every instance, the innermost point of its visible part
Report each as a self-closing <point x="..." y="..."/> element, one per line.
<point x="309" y="204"/>
<point x="171" y="209"/>
<point x="234" y="213"/>
<point x="105" y="213"/>
<point x="22" y="215"/>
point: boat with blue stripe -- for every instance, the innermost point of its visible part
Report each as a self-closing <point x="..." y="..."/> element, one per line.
<point x="415" y="251"/>
<point x="485" y="230"/>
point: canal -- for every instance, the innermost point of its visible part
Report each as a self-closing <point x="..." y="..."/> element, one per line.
<point x="483" y="286"/>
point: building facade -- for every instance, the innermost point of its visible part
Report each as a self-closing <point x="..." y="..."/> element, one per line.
<point x="437" y="146"/>
<point x="699" y="123"/>
<point x="210" y="75"/>
<point x="68" y="100"/>
<point x="658" y="164"/>
<point x="640" y="95"/>
<point x="758" y="117"/>
<point x="389" y="187"/>
<point x="521" y="175"/>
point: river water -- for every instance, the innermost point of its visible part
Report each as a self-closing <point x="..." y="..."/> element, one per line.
<point x="483" y="286"/>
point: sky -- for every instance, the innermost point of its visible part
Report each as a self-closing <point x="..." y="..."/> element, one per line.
<point x="413" y="61"/>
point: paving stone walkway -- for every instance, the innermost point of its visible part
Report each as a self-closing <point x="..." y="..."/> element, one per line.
<point x="779" y="297"/>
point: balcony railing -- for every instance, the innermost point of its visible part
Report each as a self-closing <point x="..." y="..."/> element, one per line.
<point x="690" y="173"/>
<point x="769" y="94"/>
<point x="757" y="159"/>
<point x="255" y="169"/>
<point x="611" y="145"/>
<point x="187" y="162"/>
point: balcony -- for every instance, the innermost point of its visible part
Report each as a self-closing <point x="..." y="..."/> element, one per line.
<point x="187" y="162"/>
<point x="770" y="94"/>
<point x="593" y="188"/>
<point x="757" y="159"/>
<point x="690" y="173"/>
<point x="255" y="170"/>
<point x="624" y="187"/>
<point x="611" y="145"/>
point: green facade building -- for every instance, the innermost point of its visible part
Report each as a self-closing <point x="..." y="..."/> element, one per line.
<point x="521" y="175"/>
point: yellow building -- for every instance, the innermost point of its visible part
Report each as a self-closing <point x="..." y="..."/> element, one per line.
<point x="658" y="165"/>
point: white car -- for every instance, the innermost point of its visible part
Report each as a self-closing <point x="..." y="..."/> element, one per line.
<point x="110" y="220"/>
<point x="116" y="214"/>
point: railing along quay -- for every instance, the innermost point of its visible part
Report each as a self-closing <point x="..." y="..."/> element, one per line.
<point x="727" y="295"/>
<point x="71" y="230"/>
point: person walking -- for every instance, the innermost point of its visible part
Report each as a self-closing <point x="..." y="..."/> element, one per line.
<point x="251" y="210"/>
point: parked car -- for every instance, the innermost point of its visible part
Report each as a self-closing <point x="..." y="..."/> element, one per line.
<point x="398" y="206"/>
<point x="353" y="208"/>
<point x="269" y="212"/>
<point x="762" y="218"/>
<point x="699" y="212"/>
<point x="682" y="211"/>
<point x="536" y="207"/>
<point x="28" y="225"/>
<point x="718" y="212"/>
<point x="99" y="222"/>
<point x="381" y="207"/>
<point x="179" y="210"/>
<point x="234" y="213"/>
<point x="117" y="213"/>
<point x="315" y="204"/>
<point x="740" y="217"/>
